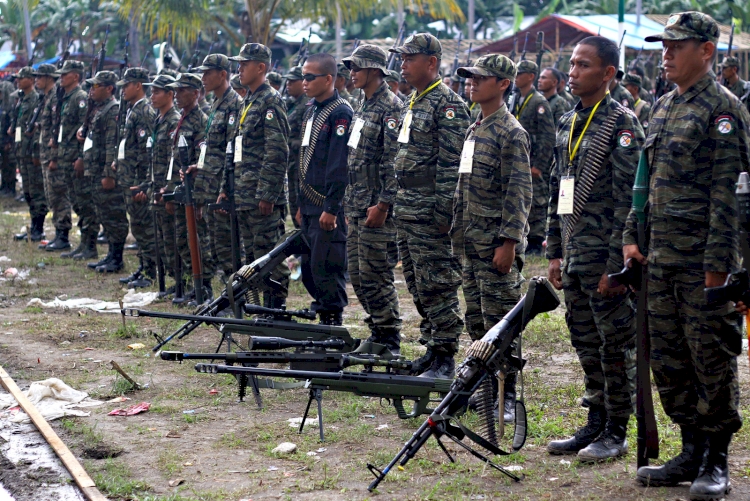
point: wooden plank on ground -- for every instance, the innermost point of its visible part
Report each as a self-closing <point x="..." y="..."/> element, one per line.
<point x="81" y="478"/>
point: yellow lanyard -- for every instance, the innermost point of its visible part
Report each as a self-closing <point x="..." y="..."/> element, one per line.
<point x="415" y="97"/>
<point x="471" y="108"/>
<point x="636" y="103"/>
<point x="244" y="114"/>
<point x="528" y="98"/>
<point x="572" y="153"/>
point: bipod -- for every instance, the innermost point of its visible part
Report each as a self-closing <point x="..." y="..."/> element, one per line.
<point x="317" y="394"/>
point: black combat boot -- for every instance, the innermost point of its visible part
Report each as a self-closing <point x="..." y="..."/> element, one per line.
<point x="134" y="246"/>
<point x="208" y="294"/>
<point x="597" y="420"/>
<point x="147" y="278"/>
<point x="330" y="318"/>
<point x="72" y="253"/>
<point x="106" y="259"/>
<point x="23" y="235"/>
<point x="443" y="365"/>
<point x="37" y="228"/>
<point x="421" y="364"/>
<point x="187" y="296"/>
<point x="115" y="264"/>
<point x="133" y="276"/>
<point x="60" y="243"/>
<point x="509" y="397"/>
<point x="682" y="468"/>
<point x="610" y="444"/>
<point x="101" y="238"/>
<point x="712" y="483"/>
<point x="89" y="250"/>
<point x="388" y="337"/>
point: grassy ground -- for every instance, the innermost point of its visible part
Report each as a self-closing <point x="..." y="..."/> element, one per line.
<point x="222" y="449"/>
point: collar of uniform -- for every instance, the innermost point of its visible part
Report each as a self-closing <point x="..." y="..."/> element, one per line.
<point x="497" y="115"/>
<point x="697" y="88"/>
<point x="330" y="99"/>
<point x="217" y="102"/>
<point x="533" y="89"/>
<point x="378" y="92"/>
<point x="585" y="111"/>
<point x="74" y="89"/>
<point x="102" y="103"/>
<point x="260" y="89"/>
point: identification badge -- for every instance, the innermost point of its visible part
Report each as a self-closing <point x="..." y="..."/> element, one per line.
<point x="356" y="133"/>
<point x="467" y="157"/>
<point x="202" y="156"/>
<point x="149" y="143"/>
<point x="169" y="172"/>
<point x="308" y="131"/>
<point x="18" y="134"/>
<point x="565" y="199"/>
<point x="121" y="150"/>
<point x="238" y="149"/>
<point x="403" y="136"/>
<point x="88" y="144"/>
<point x="59" y="135"/>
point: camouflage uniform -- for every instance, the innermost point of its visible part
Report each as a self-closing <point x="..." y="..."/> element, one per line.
<point x="45" y="132"/>
<point x="427" y="173"/>
<point x="261" y="172"/>
<point x="642" y="108"/>
<point x="535" y="115"/>
<point x="602" y="329"/>
<point x="622" y="96"/>
<point x="274" y="79"/>
<point x="372" y="180"/>
<point x="204" y="105"/>
<point x="343" y="71"/>
<point x="740" y="88"/>
<point x="222" y="122"/>
<point x="133" y="169"/>
<point x="559" y="107"/>
<point x="7" y="157"/>
<point x="295" y="108"/>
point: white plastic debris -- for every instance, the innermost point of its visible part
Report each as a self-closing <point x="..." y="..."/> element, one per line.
<point x="295" y="422"/>
<point x="382" y="427"/>
<point x="565" y="462"/>
<point x="52" y="398"/>
<point x="312" y="453"/>
<point x="4" y="259"/>
<point x="285" y="448"/>
<point x="514" y="467"/>
<point x="131" y="300"/>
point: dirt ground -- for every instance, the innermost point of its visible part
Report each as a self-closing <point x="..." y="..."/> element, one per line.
<point x="197" y="442"/>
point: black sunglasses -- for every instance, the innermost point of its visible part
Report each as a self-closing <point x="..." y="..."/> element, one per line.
<point x="309" y="77"/>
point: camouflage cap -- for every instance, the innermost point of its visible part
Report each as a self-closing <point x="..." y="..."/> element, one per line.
<point x="105" y="77"/>
<point x="25" y="72"/>
<point x="393" y="76"/>
<point x="134" y="75"/>
<point x="46" y="70"/>
<point x="235" y="82"/>
<point x="421" y="43"/>
<point x="343" y="71"/>
<point x="491" y="65"/>
<point x="632" y="80"/>
<point x="274" y="78"/>
<point x="253" y="52"/>
<point x="187" y="80"/>
<point x="527" y="66"/>
<point x="71" y="66"/>
<point x="368" y="56"/>
<point x="294" y="73"/>
<point x="730" y="62"/>
<point x="215" y="62"/>
<point x="161" y="82"/>
<point x="169" y="71"/>
<point x="687" y="25"/>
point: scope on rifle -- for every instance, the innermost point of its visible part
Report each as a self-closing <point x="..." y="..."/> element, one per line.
<point x="254" y="309"/>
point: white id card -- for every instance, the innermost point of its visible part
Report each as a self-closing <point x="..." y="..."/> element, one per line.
<point x="356" y="133"/>
<point x="88" y="144"/>
<point x="18" y="134"/>
<point x="169" y="172"/>
<point x="238" y="149"/>
<point x="308" y="131"/>
<point x="149" y="143"/>
<point x="60" y="135"/>
<point x="202" y="156"/>
<point x="467" y="157"/>
<point x="403" y="136"/>
<point x="121" y="150"/>
<point x="565" y="199"/>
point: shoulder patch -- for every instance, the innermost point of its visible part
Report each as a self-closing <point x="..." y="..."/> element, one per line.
<point x="540" y="109"/>
<point x="231" y="119"/>
<point x="725" y="124"/>
<point x="82" y="103"/>
<point x="171" y="134"/>
<point x="625" y="103"/>
<point x="450" y="112"/>
<point x="201" y="144"/>
<point x="342" y="125"/>
<point x="142" y="133"/>
<point x="391" y="123"/>
<point x="269" y="114"/>
<point x="645" y="124"/>
<point x="625" y="138"/>
<point x="340" y="130"/>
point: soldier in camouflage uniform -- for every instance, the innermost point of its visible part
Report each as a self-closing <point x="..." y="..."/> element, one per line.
<point x="368" y="202"/>
<point x="342" y="78"/>
<point x="548" y="80"/>
<point x="133" y="176"/>
<point x="64" y="151"/>
<point x="392" y="77"/>
<point x="222" y="122"/>
<point x="492" y="203"/>
<point x="191" y="126"/>
<point x="535" y="115"/>
<point x="274" y="79"/>
<point x="730" y="73"/>
<point x="31" y="175"/>
<point x="46" y="77"/>
<point x="295" y="110"/>
<point x="600" y="318"/>
<point x="432" y="128"/>
<point x="619" y="93"/>
<point x="696" y="148"/>
<point x="641" y="107"/>
<point x="646" y="84"/>
<point x="262" y="142"/>
<point x="238" y="87"/>
<point x="7" y="154"/>
<point x="160" y="152"/>
<point x="99" y="154"/>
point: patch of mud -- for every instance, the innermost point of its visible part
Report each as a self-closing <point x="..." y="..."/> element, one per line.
<point x="101" y="451"/>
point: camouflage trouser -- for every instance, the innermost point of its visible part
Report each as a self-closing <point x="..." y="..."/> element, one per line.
<point x="58" y="188"/>
<point x="8" y="170"/>
<point x="220" y="233"/>
<point x="181" y="229"/>
<point x="33" y="187"/>
<point x="260" y="234"/>
<point x="694" y="367"/>
<point x="111" y="212"/>
<point x="433" y="276"/>
<point x="538" y="212"/>
<point x="82" y="196"/>
<point x="371" y="271"/>
<point x="165" y="223"/>
<point x="602" y="331"/>
<point x="142" y="228"/>
<point x="293" y="182"/>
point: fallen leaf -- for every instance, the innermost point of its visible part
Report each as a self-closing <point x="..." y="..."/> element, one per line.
<point x="188" y="464"/>
<point x="173" y="434"/>
<point x="176" y="482"/>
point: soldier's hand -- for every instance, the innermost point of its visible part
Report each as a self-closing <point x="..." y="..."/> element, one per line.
<point x="298" y="218"/>
<point x="715" y="278"/>
<point x="51" y="143"/>
<point x="190" y="170"/>
<point x="554" y="273"/>
<point x="631" y="251"/>
<point x="266" y="208"/>
<point x="740" y="308"/>
<point x="198" y="212"/>
<point x="52" y="165"/>
<point x="108" y="183"/>
<point x="79" y="136"/>
<point x="327" y="221"/>
<point x="222" y="197"/>
<point x="170" y="208"/>
<point x="10" y="131"/>
<point x="504" y="256"/>
<point x="78" y="168"/>
<point x="7" y="147"/>
<point x="376" y="216"/>
<point x="536" y="173"/>
<point x="139" y="196"/>
<point x="605" y="290"/>
<point x="114" y="166"/>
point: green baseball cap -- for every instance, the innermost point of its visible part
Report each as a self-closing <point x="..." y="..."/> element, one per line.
<point x="294" y="73"/>
<point x="253" y="52"/>
<point x="686" y="26"/>
<point x="393" y="76"/>
<point x="25" y="72"/>
<point x="343" y="71"/>
<point x="421" y="43"/>
<point x="187" y="80"/>
<point x="215" y="62"/>
<point x="71" y="66"/>
<point x="491" y="65"/>
<point x="105" y="77"/>
<point x="134" y="75"/>
<point x="160" y="82"/>
<point x="235" y="82"/>
<point x="274" y="78"/>
<point x="169" y="71"/>
<point x="527" y="66"/>
<point x="46" y="70"/>
<point x="632" y="80"/>
<point x="730" y="62"/>
<point x="368" y="56"/>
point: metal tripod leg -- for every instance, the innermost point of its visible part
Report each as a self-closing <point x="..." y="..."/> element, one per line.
<point x="317" y="394"/>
